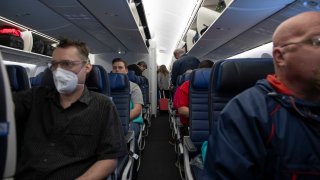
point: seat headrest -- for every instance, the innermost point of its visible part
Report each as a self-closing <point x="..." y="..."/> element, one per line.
<point x="200" y="79"/>
<point x="132" y="76"/>
<point x="47" y="78"/>
<point x="182" y="78"/>
<point x="236" y="75"/>
<point x="98" y="80"/>
<point x="118" y="81"/>
<point x="18" y="77"/>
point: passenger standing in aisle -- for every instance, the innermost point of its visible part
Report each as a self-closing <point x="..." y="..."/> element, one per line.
<point x="271" y="131"/>
<point x="163" y="81"/>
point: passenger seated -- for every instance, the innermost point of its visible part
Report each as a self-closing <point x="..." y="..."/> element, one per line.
<point x="271" y="131"/>
<point x="181" y="99"/>
<point x="120" y="66"/>
<point x="69" y="131"/>
<point x="138" y="68"/>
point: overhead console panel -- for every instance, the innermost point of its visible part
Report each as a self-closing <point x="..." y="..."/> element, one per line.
<point x="123" y="19"/>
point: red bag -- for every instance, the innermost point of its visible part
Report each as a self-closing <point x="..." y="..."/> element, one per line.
<point x="12" y="31"/>
<point x="163" y="102"/>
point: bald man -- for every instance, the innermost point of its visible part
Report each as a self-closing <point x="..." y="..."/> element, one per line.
<point x="272" y="130"/>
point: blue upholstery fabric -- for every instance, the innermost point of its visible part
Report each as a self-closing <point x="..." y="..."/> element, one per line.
<point x="182" y="78"/>
<point x="18" y="78"/>
<point x="98" y="80"/>
<point x="198" y="106"/>
<point x="144" y="89"/>
<point x="132" y="77"/>
<point x="120" y="93"/>
<point x="231" y="77"/>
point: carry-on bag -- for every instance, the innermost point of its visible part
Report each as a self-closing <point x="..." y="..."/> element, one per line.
<point x="163" y="102"/>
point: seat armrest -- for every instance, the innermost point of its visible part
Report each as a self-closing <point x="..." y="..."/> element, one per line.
<point x="189" y="144"/>
<point x="129" y="136"/>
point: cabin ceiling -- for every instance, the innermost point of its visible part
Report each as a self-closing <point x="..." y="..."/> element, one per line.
<point x="106" y="26"/>
<point x="247" y="24"/>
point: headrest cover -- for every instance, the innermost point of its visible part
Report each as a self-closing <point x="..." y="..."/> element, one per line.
<point x="200" y="79"/>
<point x="118" y="81"/>
<point x="98" y="80"/>
<point x="236" y="75"/>
<point x="132" y="76"/>
<point x="18" y="77"/>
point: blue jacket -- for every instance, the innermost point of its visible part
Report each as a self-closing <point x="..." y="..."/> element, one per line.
<point x="262" y="134"/>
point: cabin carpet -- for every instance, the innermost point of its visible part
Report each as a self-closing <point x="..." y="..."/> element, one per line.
<point x="158" y="157"/>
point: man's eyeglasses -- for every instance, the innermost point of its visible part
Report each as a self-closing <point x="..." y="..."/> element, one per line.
<point x="313" y="42"/>
<point x="64" y="64"/>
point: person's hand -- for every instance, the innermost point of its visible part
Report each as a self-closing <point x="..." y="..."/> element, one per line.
<point x="171" y="87"/>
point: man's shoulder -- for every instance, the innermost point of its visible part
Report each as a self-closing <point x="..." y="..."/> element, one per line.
<point x="189" y="58"/>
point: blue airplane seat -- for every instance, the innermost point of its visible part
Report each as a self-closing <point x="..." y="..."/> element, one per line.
<point x="98" y="80"/>
<point x="8" y="144"/>
<point x="229" y="78"/>
<point x="120" y="93"/>
<point x="198" y="106"/>
<point x="182" y="78"/>
<point x="132" y="77"/>
<point x="18" y="78"/>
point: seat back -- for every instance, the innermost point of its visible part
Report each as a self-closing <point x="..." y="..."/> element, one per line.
<point x="120" y="93"/>
<point x="98" y="80"/>
<point x="182" y="78"/>
<point x="231" y="77"/>
<point x="144" y="89"/>
<point x="198" y="106"/>
<point x="8" y="145"/>
<point x="132" y="77"/>
<point x="18" y="77"/>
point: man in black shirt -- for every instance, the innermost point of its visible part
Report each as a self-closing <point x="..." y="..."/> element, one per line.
<point x="68" y="132"/>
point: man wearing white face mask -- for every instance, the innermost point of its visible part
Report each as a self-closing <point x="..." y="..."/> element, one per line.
<point x="68" y="132"/>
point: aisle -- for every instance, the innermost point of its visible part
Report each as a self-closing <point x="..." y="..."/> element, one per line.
<point x="158" y="157"/>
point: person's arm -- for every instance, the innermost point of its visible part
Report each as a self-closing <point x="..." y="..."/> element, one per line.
<point x="183" y="101"/>
<point x="135" y="112"/>
<point x="184" y="111"/>
<point x="235" y="146"/>
<point x="99" y="170"/>
<point x="137" y="100"/>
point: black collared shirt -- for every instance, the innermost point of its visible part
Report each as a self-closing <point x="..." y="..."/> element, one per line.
<point x="57" y="143"/>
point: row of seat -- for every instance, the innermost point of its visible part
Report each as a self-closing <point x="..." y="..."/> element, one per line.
<point x="209" y="91"/>
<point x="114" y="85"/>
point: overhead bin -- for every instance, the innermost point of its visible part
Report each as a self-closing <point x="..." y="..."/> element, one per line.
<point x="205" y="18"/>
<point x="237" y="18"/>
<point x="190" y="35"/>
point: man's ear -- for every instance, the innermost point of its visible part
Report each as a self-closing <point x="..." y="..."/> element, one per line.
<point x="278" y="56"/>
<point x="88" y="68"/>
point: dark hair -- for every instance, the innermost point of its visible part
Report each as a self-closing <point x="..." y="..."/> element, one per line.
<point x="81" y="47"/>
<point x="205" y="64"/>
<point x="143" y="64"/>
<point x="120" y="60"/>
